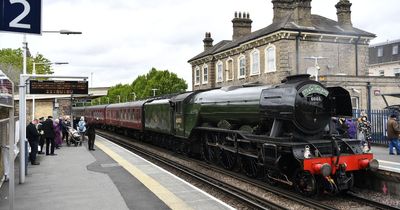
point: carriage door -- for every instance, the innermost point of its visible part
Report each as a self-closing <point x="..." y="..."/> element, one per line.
<point x="178" y="124"/>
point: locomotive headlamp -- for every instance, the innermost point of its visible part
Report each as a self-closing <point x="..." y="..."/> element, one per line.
<point x="323" y="169"/>
<point x="373" y="164"/>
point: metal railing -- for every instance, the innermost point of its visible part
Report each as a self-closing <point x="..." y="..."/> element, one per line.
<point x="4" y="143"/>
<point x="378" y="119"/>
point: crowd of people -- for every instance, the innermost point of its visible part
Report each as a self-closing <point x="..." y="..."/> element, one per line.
<point x="359" y="128"/>
<point x="54" y="133"/>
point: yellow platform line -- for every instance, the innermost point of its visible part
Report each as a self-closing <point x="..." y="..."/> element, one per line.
<point x="170" y="199"/>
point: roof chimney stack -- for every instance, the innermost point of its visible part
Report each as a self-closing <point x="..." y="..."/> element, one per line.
<point x="302" y="12"/>
<point x="241" y="25"/>
<point x="282" y="9"/>
<point x="208" y="41"/>
<point x="344" y="14"/>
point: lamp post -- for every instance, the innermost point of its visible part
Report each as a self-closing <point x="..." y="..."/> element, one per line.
<point x="134" y="96"/>
<point x="119" y="98"/>
<point x="317" y="68"/>
<point x="34" y="73"/>
<point x="154" y="91"/>
<point x="66" y="32"/>
<point x="91" y="79"/>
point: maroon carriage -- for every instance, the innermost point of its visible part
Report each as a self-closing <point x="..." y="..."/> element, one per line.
<point x="96" y="114"/>
<point x="125" y="115"/>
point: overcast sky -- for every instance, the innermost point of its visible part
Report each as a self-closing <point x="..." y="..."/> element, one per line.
<point x="125" y="38"/>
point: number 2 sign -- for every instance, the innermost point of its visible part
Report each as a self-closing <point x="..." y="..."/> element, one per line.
<point x="23" y="16"/>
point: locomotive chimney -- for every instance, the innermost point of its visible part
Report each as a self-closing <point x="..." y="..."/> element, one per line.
<point x="241" y="25"/>
<point x="208" y="41"/>
<point x="344" y="14"/>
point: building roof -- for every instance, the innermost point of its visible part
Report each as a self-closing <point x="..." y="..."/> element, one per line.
<point x="385" y="43"/>
<point x="319" y="25"/>
<point x="211" y="50"/>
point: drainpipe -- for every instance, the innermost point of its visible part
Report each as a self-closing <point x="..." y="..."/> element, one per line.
<point x="298" y="37"/>
<point x="356" y="54"/>
<point x="369" y="100"/>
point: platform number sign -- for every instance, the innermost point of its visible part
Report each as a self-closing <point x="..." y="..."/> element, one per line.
<point x="22" y="16"/>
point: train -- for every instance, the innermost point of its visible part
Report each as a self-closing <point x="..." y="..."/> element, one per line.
<point x="281" y="133"/>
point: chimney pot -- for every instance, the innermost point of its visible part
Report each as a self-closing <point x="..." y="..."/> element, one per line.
<point x="241" y="25"/>
<point x="344" y="14"/>
<point x="208" y="41"/>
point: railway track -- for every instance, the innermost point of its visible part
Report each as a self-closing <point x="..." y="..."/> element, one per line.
<point x="370" y="202"/>
<point x="253" y="201"/>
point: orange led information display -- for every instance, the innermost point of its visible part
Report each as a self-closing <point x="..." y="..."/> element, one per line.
<point x="58" y="87"/>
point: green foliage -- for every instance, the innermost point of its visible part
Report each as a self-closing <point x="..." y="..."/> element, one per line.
<point x="163" y="81"/>
<point x="11" y="63"/>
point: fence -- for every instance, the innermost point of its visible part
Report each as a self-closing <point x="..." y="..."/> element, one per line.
<point x="378" y="119"/>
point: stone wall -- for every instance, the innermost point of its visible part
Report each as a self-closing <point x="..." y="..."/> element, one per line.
<point x="388" y="68"/>
<point x="338" y="58"/>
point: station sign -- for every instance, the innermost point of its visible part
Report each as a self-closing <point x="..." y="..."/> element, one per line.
<point x="6" y="91"/>
<point x="23" y="16"/>
<point x="58" y="87"/>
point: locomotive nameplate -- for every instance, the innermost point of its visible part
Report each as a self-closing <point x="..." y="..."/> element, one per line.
<point x="312" y="89"/>
<point x="58" y="87"/>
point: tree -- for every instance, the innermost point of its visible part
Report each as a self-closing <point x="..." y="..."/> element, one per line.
<point x="163" y="81"/>
<point x="11" y="63"/>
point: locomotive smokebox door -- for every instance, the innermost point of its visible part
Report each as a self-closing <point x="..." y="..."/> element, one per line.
<point x="339" y="102"/>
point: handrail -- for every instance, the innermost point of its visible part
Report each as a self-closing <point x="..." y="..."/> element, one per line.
<point x="7" y="119"/>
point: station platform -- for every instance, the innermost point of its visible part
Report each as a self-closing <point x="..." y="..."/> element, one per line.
<point x="109" y="178"/>
<point x="386" y="162"/>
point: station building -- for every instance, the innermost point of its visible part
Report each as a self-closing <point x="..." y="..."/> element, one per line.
<point x="290" y="45"/>
<point x="384" y="59"/>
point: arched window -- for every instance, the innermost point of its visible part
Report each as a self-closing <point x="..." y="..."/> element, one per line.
<point x="242" y="67"/>
<point x="255" y="62"/>
<point x="270" y="58"/>
<point x="205" y="74"/>
<point x="219" y="67"/>
<point x="229" y="69"/>
<point x="197" y="75"/>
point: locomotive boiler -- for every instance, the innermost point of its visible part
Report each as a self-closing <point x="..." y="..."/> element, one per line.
<point x="281" y="133"/>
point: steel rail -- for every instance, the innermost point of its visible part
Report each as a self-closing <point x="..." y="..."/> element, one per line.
<point x="368" y="201"/>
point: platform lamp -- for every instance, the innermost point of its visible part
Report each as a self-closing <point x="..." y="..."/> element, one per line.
<point x="316" y="65"/>
<point x="34" y="73"/>
<point x="134" y="95"/>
